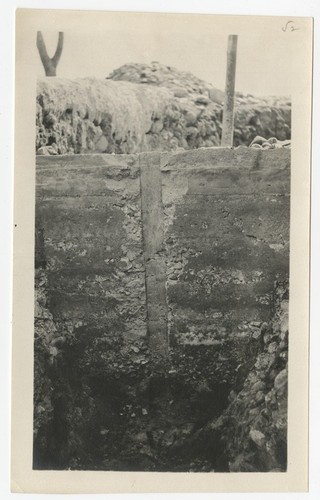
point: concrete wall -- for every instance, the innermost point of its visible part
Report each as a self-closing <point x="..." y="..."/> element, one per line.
<point x="221" y="221"/>
<point x="88" y="218"/>
<point x="226" y="242"/>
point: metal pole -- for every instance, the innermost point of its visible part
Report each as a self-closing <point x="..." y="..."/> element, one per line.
<point x="228" y="110"/>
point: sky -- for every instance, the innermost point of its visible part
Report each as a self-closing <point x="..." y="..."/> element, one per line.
<point x="191" y="43"/>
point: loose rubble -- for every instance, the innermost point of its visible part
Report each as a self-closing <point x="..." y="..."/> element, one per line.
<point x="272" y="143"/>
<point x="145" y="108"/>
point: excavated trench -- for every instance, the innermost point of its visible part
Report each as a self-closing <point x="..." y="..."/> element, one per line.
<point x="146" y="426"/>
<point x="91" y="420"/>
<point x="218" y="401"/>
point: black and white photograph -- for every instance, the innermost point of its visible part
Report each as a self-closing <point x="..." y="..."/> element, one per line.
<point x="162" y="240"/>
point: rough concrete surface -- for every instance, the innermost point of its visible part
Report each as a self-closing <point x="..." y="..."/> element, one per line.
<point x="188" y="263"/>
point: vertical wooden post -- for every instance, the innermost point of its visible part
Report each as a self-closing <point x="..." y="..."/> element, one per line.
<point x="153" y="236"/>
<point x="228" y="111"/>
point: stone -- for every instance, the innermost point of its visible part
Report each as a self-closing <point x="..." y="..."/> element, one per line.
<point x="190" y="118"/>
<point x="270" y="399"/>
<point x="216" y="96"/>
<point x="156" y="127"/>
<point x="284" y="334"/>
<point x="192" y="131"/>
<point x="272" y="347"/>
<point x="267" y="337"/>
<point x="272" y="374"/>
<point x="232" y="395"/>
<point x="46" y="151"/>
<point x="254" y="412"/>
<point x="257" y="437"/>
<point x="202" y="100"/>
<point x="265" y="328"/>
<point x="58" y="341"/>
<point x="256" y="334"/>
<point x="102" y="144"/>
<point x="264" y="361"/>
<point x="135" y="349"/>
<point x="53" y="351"/>
<point x="258" y="386"/>
<point x="281" y="380"/>
<point x="180" y="93"/>
<point x="259" y="397"/>
<point x="258" y="140"/>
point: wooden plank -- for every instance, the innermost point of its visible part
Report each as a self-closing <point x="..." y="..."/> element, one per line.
<point x="153" y="232"/>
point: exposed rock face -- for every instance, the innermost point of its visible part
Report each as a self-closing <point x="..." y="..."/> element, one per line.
<point x="146" y="108"/>
<point x="254" y="428"/>
<point x="250" y="435"/>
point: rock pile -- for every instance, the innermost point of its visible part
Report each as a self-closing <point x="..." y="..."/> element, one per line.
<point x="146" y="108"/>
<point x="254" y="426"/>
<point x="272" y="143"/>
<point x="182" y="83"/>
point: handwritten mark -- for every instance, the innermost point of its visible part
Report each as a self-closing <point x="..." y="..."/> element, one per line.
<point x="289" y="27"/>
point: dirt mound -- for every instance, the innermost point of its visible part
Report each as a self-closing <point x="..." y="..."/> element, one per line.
<point x="182" y="83"/>
<point x="145" y="108"/>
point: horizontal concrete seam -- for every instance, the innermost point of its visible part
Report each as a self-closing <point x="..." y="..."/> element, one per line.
<point x="218" y="195"/>
<point x="53" y="197"/>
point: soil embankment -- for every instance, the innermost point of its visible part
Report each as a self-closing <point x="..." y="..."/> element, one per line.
<point x="147" y="108"/>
